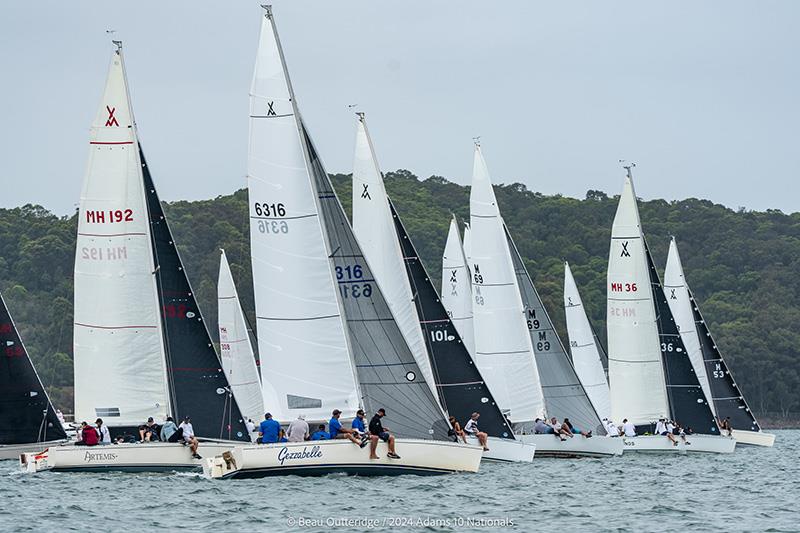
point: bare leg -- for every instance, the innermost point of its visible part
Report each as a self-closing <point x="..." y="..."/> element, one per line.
<point x="391" y="444"/>
<point x="141" y="434"/>
<point x="373" y="446"/>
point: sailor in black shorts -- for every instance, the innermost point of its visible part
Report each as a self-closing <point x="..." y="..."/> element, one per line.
<point x="377" y="431"/>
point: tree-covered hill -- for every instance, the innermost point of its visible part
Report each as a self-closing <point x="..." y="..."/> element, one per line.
<point x="742" y="266"/>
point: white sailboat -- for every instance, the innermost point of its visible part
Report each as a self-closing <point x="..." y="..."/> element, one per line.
<point x="458" y="384"/>
<point x="650" y="374"/>
<point x="324" y="328"/>
<point x="238" y="359"/>
<point x="584" y="348"/>
<point x="716" y="379"/>
<point x="504" y="324"/>
<point x="456" y="287"/>
<point x="141" y="348"/>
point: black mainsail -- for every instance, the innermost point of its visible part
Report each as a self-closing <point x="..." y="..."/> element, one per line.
<point x="26" y="414"/>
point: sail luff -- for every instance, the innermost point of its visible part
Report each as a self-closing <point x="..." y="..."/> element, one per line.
<point x="583" y="346"/>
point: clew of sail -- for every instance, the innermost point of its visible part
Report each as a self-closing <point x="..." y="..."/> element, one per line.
<point x="301" y="332"/>
<point x="238" y="359"/>
<point x="119" y="359"/>
<point x="456" y="288"/>
<point x="503" y="350"/>
<point x="584" y="347"/>
<point x="635" y="371"/>
<point x="374" y="229"/>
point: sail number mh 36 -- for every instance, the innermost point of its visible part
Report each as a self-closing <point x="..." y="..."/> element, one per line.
<point x="624" y="287"/>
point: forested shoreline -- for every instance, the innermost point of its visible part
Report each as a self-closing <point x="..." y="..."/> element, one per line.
<point x="742" y="266"/>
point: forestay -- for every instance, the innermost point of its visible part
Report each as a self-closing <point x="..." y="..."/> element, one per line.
<point x="26" y="414"/>
<point x="678" y="299"/>
<point x="688" y="405"/>
<point x="564" y="396"/>
<point x="460" y="385"/>
<point x="584" y="347"/>
<point x="374" y="229"/>
<point x="503" y="350"/>
<point x="120" y="372"/>
<point x="635" y="371"/>
<point x="238" y="359"/>
<point x="456" y="289"/>
<point x="301" y="332"/>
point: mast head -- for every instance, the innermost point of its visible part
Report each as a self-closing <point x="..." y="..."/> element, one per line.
<point x="268" y="9"/>
<point x="361" y="115"/>
<point x="477" y="141"/>
<point x="118" y="44"/>
<point x="628" y="167"/>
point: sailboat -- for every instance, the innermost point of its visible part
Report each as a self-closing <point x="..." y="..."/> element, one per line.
<point x="28" y="421"/>
<point x="141" y="347"/>
<point x="516" y="347"/>
<point x="458" y="383"/>
<point x="585" y="348"/>
<point x="456" y="287"/>
<point x="728" y="401"/>
<point x="650" y="373"/>
<point x="238" y="359"/>
<point x="325" y="329"/>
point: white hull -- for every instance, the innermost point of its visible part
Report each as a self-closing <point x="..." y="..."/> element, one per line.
<point x="144" y="457"/>
<point x="315" y="458"/>
<point x="548" y="445"/>
<point x="754" y="438"/>
<point x="662" y="444"/>
<point x="13" y="451"/>
<point x="506" y="450"/>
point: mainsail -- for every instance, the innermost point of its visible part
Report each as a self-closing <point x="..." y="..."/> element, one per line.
<point x="141" y="347"/>
<point x="238" y="359"/>
<point x="456" y="288"/>
<point x="688" y="405"/>
<point x="564" y="395"/>
<point x="635" y="371"/>
<point x="678" y="298"/>
<point x="26" y="414"/>
<point x="727" y="399"/>
<point x="584" y="347"/>
<point x="374" y="228"/>
<point x="467" y="246"/>
<point x="388" y="375"/>
<point x="503" y="350"/>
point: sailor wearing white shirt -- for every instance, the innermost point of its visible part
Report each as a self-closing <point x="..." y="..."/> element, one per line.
<point x="102" y="430"/>
<point x="629" y="428"/>
<point x="298" y="429"/>
<point x="611" y="428"/>
<point x="188" y="436"/>
<point x="471" y="428"/>
<point x="251" y="429"/>
<point x="661" y="427"/>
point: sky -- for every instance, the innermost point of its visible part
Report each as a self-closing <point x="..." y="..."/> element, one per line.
<point x="703" y="96"/>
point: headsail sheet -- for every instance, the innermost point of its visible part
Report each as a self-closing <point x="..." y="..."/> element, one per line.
<point x="456" y="287"/>
<point x="503" y="350"/>
<point x="584" y="348"/>
<point x="564" y="396"/>
<point x="238" y="360"/>
<point x="26" y="414"/>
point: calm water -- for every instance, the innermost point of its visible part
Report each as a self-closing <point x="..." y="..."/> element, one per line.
<point x="756" y="489"/>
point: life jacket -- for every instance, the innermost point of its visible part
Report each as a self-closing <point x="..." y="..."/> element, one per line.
<point x="90" y="437"/>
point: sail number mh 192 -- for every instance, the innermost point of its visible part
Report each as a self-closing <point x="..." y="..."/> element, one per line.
<point x="112" y="215"/>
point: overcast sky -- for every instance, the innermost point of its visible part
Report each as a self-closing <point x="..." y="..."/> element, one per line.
<point x="702" y="95"/>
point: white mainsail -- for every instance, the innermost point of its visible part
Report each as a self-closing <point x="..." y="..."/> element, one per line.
<point x="635" y="371"/>
<point x="677" y="294"/>
<point x="456" y="289"/>
<point x="584" y="349"/>
<point x="238" y="359"/>
<point x="467" y="245"/>
<point x="301" y="331"/>
<point x="503" y="350"/>
<point x="373" y="226"/>
<point x="120" y="371"/>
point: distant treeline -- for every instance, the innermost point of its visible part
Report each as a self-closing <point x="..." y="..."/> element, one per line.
<point x="742" y="266"/>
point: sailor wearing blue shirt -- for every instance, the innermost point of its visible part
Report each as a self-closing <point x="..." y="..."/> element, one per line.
<point x="320" y="434"/>
<point x="358" y="422"/>
<point x="338" y="432"/>
<point x="269" y="429"/>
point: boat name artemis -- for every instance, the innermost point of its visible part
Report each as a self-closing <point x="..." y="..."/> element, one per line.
<point x="89" y="457"/>
<point x="285" y="454"/>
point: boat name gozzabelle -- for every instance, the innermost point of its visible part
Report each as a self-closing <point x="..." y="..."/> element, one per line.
<point x="89" y="457"/>
<point x="284" y="454"/>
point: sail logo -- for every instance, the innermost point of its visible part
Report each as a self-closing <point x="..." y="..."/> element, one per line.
<point x="91" y="457"/>
<point x="285" y="455"/>
<point x="672" y="295"/>
<point x="111" y="120"/>
<point x="365" y="192"/>
<point x="271" y="110"/>
<point x="625" y="252"/>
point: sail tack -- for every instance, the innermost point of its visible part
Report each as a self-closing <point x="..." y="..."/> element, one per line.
<point x="456" y="287"/>
<point x="584" y="347"/>
<point x="238" y="359"/>
<point x="635" y="371"/>
<point x="503" y="350"/>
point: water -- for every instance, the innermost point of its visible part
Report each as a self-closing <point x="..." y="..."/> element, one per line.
<point x="755" y="489"/>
